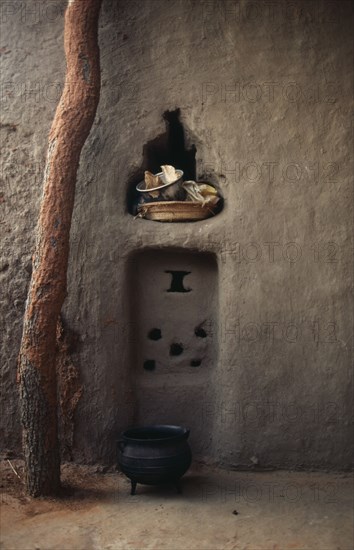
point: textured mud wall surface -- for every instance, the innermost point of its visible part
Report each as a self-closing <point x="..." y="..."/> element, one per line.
<point x="265" y="96"/>
<point x="32" y="69"/>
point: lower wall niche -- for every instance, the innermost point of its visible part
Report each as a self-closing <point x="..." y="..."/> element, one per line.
<point x="174" y="341"/>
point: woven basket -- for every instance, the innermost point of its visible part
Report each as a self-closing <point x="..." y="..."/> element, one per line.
<point x="175" y="211"/>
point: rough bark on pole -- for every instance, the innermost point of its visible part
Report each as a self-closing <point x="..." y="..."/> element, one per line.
<point x="71" y="125"/>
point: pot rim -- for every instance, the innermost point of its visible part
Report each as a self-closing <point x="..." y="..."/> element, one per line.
<point x="177" y="432"/>
<point x="143" y="190"/>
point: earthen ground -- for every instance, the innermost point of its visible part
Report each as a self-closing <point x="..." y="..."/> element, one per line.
<point x="218" y="510"/>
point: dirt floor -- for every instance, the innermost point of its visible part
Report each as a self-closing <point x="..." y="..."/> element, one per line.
<point x="218" y="510"/>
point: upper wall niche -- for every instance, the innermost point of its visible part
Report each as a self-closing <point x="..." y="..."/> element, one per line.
<point x="167" y="148"/>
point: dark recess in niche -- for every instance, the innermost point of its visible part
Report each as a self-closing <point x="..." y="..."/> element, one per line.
<point x="200" y="332"/>
<point x="155" y="334"/>
<point x="176" y="349"/>
<point x="177" y="281"/>
<point x="149" y="364"/>
<point x="167" y="148"/>
<point x="196" y="362"/>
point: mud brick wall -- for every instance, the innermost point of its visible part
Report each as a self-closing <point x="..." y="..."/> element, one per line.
<point x="264" y="97"/>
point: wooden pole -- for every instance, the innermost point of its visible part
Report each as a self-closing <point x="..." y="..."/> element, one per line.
<point x="72" y="122"/>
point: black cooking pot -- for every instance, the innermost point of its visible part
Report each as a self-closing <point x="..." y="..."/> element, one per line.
<point x="151" y="455"/>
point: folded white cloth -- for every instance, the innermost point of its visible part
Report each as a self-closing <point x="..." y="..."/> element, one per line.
<point x="169" y="173"/>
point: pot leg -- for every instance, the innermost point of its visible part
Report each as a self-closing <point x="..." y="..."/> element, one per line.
<point x="133" y="487"/>
<point x="178" y="486"/>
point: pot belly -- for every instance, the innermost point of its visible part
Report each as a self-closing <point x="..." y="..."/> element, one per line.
<point x="151" y="466"/>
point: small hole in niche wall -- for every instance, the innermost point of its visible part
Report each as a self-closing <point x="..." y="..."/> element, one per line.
<point x="155" y="334"/>
<point x="177" y="281"/>
<point x="149" y="364"/>
<point x="200" y="332"/>
<point x="196" y="362"/>
<point x="176" y="349"/>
